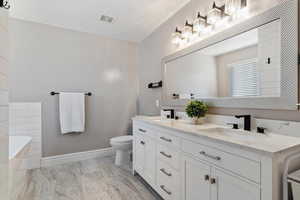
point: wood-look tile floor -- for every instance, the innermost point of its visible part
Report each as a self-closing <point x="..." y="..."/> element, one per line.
<point x="95" y="179"/>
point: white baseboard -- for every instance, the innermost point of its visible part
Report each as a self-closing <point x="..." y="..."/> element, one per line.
<point x="74" y="157"/>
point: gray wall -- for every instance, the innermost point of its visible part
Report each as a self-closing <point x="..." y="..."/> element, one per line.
<point x="158" y="45"/>
<point x="46" y="58"/>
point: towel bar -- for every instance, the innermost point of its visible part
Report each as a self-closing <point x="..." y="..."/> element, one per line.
<point x="55" y="93"/>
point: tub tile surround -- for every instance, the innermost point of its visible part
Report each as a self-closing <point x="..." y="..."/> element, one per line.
<point x="25" y="120"/>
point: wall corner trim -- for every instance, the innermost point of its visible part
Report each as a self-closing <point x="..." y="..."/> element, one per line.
<point x="74" y="157"/>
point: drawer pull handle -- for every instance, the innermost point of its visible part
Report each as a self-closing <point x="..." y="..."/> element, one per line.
<point x="213" y="181"/>
<point x="166" y="155"/>
<point x="142" y="130"/>
<point x="166" y="173"/>
<point x="166" y="139"/>
<point x="206" y="177"/>
<point x="210" y="156"/>
<point x="142" y="142"/>
<point x="165" y="190"/>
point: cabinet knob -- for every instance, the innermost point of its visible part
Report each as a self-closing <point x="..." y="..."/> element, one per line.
<point x="142" y="142"/>
<point x="212" y="181"/>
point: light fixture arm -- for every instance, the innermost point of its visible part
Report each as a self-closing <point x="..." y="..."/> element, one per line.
<point x="199" y="16"/>
<point x="220" y="8"/>
<point x="188" y="24"/>
<point x="177" y="30"/>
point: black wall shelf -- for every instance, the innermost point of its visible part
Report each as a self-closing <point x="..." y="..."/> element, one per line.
<point x="155" y="85"/>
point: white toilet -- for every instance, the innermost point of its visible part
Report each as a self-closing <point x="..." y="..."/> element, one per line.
<point x="123" y="147"/>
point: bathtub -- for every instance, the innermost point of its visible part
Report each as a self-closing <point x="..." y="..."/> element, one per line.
<point x="17" y="144"/>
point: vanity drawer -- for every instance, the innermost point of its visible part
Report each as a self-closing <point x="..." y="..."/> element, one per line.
<point x="145" y="130"/>
<point x="167" y="189"/>
<point x="168" y="155"/>
<point x="168" y="139"/>
<point x="239" y="165"/>
<point x="166" y="172"/>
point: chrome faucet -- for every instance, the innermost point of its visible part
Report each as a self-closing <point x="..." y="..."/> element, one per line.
<point x="247" y="121"/>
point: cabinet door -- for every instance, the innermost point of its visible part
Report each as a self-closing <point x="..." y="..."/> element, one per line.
<point x="196" y="175"/>
<point x="139" y="154"/>
<point x="150" y="160"/>
<point x="230" y="187"/>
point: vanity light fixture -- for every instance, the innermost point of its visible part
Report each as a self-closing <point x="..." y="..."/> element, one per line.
<point x="177" y="37"/>
<point x="4" y="4"/>
<point x="218" y="17"/>
<point x="200" y="23"/>
<point x="187" y="31"/>
<point x="216" y="13"/>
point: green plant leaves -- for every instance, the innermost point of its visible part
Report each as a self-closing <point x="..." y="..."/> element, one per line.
<point x="196" y="109"/>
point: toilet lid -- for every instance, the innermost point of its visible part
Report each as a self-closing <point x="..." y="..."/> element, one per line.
<point x="122" y="139"/>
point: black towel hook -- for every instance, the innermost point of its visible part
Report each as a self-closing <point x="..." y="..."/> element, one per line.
<point x="4" y="4"/>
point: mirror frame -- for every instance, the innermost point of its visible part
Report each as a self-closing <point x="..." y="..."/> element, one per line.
<point x="287" y="12"/>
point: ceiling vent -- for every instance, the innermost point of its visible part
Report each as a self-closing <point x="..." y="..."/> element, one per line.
<point x="107" y="19"/>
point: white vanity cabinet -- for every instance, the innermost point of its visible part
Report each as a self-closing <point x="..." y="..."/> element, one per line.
<point x="181" y="162"/>
<point x="145" y="155"/>
<point x="203" y="181"/>
<point x="197" y="180"/>
<point x="228" y="186"/>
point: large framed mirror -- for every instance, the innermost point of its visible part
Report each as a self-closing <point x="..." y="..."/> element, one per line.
<point x="250" y="65"/>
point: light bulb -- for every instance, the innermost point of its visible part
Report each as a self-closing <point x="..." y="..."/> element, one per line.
<point x="176" y="37"/>
<point x="200" y="24"/>
<point x="187" y="31"/>
<point x="214" y="15"/>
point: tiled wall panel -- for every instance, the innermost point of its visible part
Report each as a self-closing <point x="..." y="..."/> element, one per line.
<point x="25" y="120"/>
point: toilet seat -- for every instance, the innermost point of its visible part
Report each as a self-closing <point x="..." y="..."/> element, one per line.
<point x="122" y="139"/>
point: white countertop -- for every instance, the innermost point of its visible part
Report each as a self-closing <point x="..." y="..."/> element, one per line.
<point x="267" y="143"/>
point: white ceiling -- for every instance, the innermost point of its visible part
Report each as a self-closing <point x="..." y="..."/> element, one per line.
<point x="134" y="19"/>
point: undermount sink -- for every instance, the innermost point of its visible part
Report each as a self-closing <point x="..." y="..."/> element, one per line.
<point x="238" y="134"/>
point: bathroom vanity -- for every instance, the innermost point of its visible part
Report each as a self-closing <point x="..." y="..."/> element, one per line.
<point x="251" y="65"/>
<point x="182" y="161"/>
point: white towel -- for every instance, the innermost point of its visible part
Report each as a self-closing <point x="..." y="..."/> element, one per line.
<point x="72" y="112"/>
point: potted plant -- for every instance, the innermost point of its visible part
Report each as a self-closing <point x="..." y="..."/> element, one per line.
<point x="196" y="110"/>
